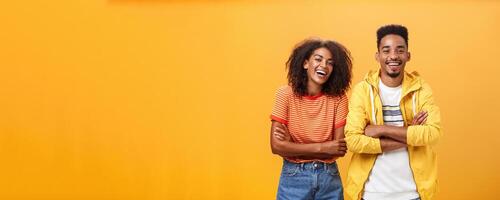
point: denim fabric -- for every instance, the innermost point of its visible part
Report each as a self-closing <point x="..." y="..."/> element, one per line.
<point x="312" y="180"/>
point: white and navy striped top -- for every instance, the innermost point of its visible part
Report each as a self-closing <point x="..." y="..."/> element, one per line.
<point x="392" y="115"/>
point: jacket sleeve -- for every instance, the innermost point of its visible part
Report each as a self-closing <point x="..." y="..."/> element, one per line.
<point x="357" y="119"/>
<point x="430" y="132"/>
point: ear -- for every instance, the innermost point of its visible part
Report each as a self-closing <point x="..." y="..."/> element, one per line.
<point x="376" y="56"/>
<point x="306" y="64"/>
<point x="409" y="56"/>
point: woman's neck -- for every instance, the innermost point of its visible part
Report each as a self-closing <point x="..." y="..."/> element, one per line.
<point x="313" y="89"/>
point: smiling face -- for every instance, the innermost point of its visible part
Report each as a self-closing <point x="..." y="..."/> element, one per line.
<point x="392" y="55"/>
<point x="319" y="66"/>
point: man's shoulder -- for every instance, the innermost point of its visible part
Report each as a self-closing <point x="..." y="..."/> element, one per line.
<point x="360" y="86"/>
<point x="423" y="86"/>
<point x="418" y="79"/>
<point x="360" y="93"/>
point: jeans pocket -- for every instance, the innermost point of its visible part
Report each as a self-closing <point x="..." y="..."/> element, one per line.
<point x="290" y="169"/>
<point x="333" y="169"/>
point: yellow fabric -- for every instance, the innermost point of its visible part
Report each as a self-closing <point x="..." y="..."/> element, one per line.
<point x="420" y="138"/>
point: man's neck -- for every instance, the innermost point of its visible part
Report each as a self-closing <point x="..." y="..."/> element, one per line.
<point x="390" y="81"/>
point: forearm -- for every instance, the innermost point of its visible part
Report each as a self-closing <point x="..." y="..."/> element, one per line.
<point x="291" y="149"/>
<point x="393" y="132"/>
<point x="424" y="135"/>
<point x="358" y="143"/>
<point x="388" y="144"/>
<point x="418" y="135"/>
<point x="339" y="134"/>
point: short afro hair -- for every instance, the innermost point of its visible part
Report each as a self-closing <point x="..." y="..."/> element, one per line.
<point x="392" y="29"/>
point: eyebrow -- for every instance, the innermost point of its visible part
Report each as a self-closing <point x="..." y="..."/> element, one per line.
<point x="398" y="47"/>
<point x="322" y="56"/>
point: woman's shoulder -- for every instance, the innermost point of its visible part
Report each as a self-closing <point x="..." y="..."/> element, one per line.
<point x="341" y="97"/>
<point x="285" y="90"/>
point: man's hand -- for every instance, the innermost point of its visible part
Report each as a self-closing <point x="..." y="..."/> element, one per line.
<point x="335" y="147"/>
<point x="373" y="131"/>
<point x="420" y="118"/>
<point x="281" y="133"/>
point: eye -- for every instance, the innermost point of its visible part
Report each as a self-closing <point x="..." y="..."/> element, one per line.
<point x="317" y="59"/>
<point x="330" y="63"/>
<point x="385" y="51"/>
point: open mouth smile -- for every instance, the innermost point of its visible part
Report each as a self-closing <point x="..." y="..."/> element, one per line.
<point x="321" y="73"/>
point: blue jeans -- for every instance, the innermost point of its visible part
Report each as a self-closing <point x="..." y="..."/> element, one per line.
<point x="312" y="180"/>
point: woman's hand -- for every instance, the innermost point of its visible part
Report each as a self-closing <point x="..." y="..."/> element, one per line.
<point x="335" y="147"/>
<point x="281" y="132"/>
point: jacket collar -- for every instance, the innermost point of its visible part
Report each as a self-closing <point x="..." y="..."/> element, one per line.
<point x="411" y="81"/>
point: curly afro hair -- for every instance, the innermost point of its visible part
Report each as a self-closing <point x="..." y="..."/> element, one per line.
<point x="339" y="81"/>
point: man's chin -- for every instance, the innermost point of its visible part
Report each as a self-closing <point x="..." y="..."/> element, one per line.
<point x="393" y="74"/>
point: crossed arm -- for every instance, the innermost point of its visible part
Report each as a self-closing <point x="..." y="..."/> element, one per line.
<point x="283" y="145"/>
<point x="393" y="137"/>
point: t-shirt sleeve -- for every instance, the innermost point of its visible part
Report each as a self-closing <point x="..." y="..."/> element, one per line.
<point x="280" y="109"/>
<point x="341" y="111"/>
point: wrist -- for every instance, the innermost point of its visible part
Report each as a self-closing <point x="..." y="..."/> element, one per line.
<point x="393" y="131"/>
<point x="320" y="148"/>
<point x="380" y="130"/>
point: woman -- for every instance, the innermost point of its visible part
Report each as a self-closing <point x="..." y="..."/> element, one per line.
<point x="308" y="120"/>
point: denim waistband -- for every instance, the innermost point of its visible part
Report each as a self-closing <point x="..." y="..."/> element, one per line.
<point x="311" y="165"/>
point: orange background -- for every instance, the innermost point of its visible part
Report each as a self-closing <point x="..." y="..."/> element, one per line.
<point x="127" y="99"/>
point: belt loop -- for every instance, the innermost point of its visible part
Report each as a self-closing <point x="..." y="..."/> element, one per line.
<point x="302" y="166"/>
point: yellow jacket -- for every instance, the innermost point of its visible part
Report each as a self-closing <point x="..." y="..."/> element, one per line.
<point x="365" y="108"/>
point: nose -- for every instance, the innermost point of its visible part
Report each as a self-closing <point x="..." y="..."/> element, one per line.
<point x="323" y="63"/>
<point x="393" y="55"/>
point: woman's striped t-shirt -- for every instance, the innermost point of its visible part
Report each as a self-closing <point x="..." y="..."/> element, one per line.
<point x="310" y="119"/>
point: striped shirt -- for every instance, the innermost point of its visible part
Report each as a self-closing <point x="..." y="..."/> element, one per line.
<point x="310" y="119"/>
<point x="392" y="115"/>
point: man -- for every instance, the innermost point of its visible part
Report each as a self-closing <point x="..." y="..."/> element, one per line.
<point x="391" y="128"/>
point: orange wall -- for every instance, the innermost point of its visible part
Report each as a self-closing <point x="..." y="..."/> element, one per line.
<point x="170" y="99"/>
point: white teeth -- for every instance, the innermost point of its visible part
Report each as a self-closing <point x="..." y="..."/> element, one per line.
<point x="321" y="72"/>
